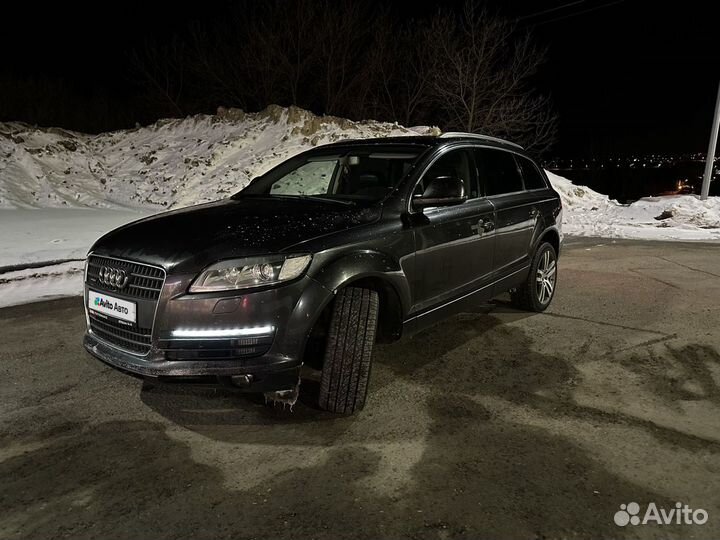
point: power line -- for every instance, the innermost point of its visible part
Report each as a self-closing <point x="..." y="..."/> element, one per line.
<point x="550" y="10"/>
<point x="588" y="10"/>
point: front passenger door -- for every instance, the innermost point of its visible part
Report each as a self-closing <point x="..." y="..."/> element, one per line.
<point x="453" y="244"/>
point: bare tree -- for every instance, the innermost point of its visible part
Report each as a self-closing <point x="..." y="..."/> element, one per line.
<point x="163" y="69"/>
<point x="481" y="77"/>
<point x="280" y="48"/>
<point x="471" y="71"/>
<point x="296" y="44"/>
<point x="344" y="41"/>
<point x="400" y="62"/>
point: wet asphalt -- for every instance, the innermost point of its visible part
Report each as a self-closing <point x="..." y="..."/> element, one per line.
<point x="494" y="424"/>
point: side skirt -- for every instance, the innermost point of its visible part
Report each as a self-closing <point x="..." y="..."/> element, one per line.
<point x="463" y="303"/>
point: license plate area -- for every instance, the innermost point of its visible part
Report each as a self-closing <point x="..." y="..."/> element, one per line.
<point x="109" y="306"/>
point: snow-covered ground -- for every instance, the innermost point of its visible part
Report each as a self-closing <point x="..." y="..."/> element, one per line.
<point x="60" y="190"/>
<point x="684" y="217"/>
<point x="52" y="234"/>
<point x="41" y="250"/>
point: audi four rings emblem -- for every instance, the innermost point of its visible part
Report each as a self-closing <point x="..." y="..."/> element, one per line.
<point x="113" y="277"/>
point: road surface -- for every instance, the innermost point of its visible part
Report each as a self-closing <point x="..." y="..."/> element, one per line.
<point x="496" y="424"/>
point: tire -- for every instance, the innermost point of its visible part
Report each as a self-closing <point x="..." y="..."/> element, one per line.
<point x="348" y="353"/>
<point x="539" y="288"/>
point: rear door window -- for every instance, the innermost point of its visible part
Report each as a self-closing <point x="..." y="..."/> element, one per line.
<point x="498" y="172"/>
<point x="531" y="175"/>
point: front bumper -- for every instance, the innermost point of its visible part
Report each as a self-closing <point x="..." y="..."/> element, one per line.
<point x="287" y="314"/>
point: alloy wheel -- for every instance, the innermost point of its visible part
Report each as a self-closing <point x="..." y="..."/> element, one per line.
<point x="545" y="277"/>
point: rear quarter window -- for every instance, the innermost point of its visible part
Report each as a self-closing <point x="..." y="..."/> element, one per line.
<point x="531" y="174"/>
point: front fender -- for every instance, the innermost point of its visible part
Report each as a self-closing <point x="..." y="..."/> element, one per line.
<point x="366" y="264"/>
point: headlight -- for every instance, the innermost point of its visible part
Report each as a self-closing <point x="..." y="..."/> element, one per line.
<point x="248" y="273"/>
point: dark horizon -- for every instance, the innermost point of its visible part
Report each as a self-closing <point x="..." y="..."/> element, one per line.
<point x="625" y="78"/>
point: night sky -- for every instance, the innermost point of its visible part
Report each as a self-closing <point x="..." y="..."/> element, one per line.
<point x="625" y="77"/>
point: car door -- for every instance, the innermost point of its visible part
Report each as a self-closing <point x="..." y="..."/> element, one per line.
<point x="454" y="244"/>
<point x="515" y="212"/>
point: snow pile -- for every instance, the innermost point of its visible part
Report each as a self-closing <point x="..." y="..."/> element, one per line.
<point x="168" y="164"/>
<point x="60" y="190"/>
<point x="180" y="162"/>
<point x="675" y="217"/>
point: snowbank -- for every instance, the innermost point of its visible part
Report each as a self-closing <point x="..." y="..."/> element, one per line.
<point x="684" y="217"/>
<point x="44" y="283"/>
<point x="60" y="190"/>
<point x="41" y="250"/>
<point x="168" y="164"/>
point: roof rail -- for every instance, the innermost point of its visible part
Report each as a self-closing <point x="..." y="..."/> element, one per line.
<point x="450" y="134"/>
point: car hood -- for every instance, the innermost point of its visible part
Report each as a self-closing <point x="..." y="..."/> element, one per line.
<point x="190" y="239"/>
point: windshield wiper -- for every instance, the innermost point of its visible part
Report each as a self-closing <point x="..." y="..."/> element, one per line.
<point x="327" y="199"/>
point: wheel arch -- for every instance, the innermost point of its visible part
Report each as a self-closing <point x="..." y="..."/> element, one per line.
<point x="376" y="271"/>
<point x="552" y="236"/>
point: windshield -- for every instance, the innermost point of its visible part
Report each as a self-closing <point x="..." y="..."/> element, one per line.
<point x="367" y="177"/>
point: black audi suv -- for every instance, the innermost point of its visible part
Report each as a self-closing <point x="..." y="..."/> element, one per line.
<point x="315" y="261"/>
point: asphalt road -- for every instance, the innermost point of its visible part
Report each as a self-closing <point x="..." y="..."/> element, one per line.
<point x="495" y="424"/>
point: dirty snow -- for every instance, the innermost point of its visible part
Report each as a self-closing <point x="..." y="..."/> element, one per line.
<point x="588" y="213"/>
<point x="60" y="190"/>
<point x="169" y="164"/>
<point x="43" y="283"/>
<point x="50" y="235"/>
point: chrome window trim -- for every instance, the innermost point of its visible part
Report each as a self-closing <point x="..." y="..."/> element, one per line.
<point x="451" y="147"/>
<point x="549" y="199"/>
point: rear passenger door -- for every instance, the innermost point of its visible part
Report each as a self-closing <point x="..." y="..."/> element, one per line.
<point x="515" y="214"/>
<point x="453" y="244"/>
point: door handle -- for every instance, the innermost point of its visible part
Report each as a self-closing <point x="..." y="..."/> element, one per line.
<point x="483" y="226"/>
<point x="488" y="225"/>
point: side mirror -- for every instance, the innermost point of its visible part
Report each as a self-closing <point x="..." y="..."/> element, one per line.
<point x="441" y="191"/>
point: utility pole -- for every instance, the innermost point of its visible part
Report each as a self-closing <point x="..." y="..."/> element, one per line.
<point x="710" y="161"/>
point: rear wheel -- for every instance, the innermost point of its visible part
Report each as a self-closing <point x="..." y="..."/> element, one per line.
<point x="538" y="290"/>
<point x="348" y="352"/>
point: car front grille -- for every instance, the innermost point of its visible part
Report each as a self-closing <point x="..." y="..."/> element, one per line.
<point x="144" y="285"/>
<point x="144" y="281"/>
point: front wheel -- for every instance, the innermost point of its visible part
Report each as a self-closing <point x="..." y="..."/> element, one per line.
<point x="348" y="352"/>
<point x="538" y="290"/>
